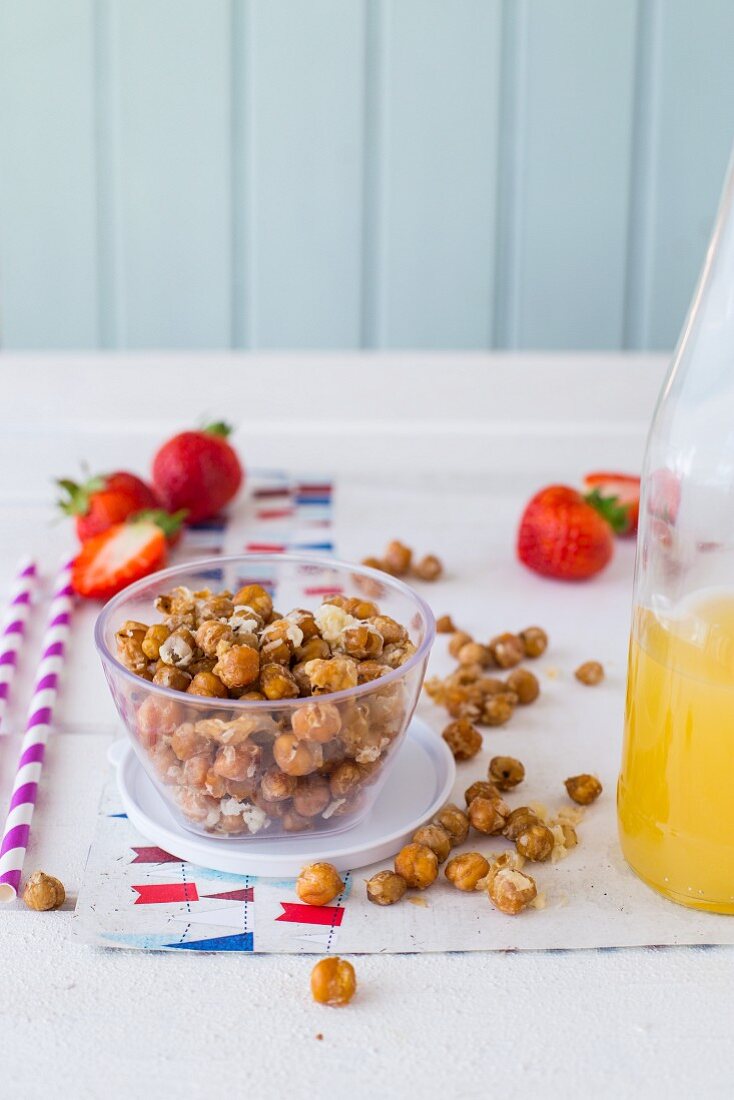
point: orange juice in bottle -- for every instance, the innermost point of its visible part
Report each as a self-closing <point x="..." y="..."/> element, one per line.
<point x="676" y="787"/>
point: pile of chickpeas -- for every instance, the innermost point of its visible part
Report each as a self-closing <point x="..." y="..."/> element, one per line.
<point x="284" y="768"/>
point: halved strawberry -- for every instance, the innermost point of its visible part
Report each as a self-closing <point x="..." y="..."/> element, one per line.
<point x="101" y="502"/>
<point x="108" y="562"/>
<point x="622" y="493"/>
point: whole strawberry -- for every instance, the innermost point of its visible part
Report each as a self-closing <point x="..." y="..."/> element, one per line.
<point x="198" y="471"/>
<point x="101" y="502"/>
<point x="565" y="535"/>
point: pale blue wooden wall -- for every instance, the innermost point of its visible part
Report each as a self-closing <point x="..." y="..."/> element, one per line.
<point x="346" y="173"/>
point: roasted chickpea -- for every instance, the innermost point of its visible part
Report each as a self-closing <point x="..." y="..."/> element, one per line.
<point x="174" y="678"/>
<point x="318" y="884"/>
<point x="179" y="648"/>
<point x="463" y="739"/>
<point x="130" y="651"/>
<point x="276" y="786"/>
<point x="590" y="673"/>
<point x="239" y="762"/>
<point x="458" y="641"/>
<point x="296" y="757"/>
<point x="345" y="778"/>
<point x="392" y="633"/>
<point x="398" y="557"/>
<point x="207" y="684"/>
<point x="367" y="671"/>
<point x="132" y="629"/>
<point x="316" y="722"/>
<point x="312" y="795"/>
<point x="43" y="892"/>
<point x="534" y="641"/>
<point x="417" y="864"/>
<point x="338" y="674"/>
<point x="315" y="649"/>
<point x="306" y="623"/>
<point x="277" y="682"/>
<point x="481" y="789"/>
<point x="510" y="890"/>
<point x="238" y="667"/>
<point x="455" y="822"/>
<point x="505" y="772"/>
<point x="466" y="870"/>
<point x="488" y="815"/>
<point x="255" y="597"/>
<point x="445" y="625"/>
<point x="583" y="789"/>
<point x="333" y="981"/>
<point x="385" y="888"/>
<point x="186" y="741"/>
<point x="363" y="642"/>
<point x="520" y="820"/>
<point x="498" y="709"/>
<point x="507" y="650"/>
<point x="154" y="638"/>
<point x="156" y="717"/>
<point x="535" y="842"/>
<point x="294" y="823"/>
<point x="436" y="838"/>
<point x="211" y="633"/>
<point x="524" y="685"/>
<point x="475" y="654"/>
<point x="429" y="568"/>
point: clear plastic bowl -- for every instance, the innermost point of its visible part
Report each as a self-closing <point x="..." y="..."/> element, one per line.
<point x="365" y="725"/>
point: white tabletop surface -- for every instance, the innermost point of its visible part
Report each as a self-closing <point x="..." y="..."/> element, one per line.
<point x="86" y="1023"/>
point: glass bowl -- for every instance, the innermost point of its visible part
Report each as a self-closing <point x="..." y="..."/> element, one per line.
<point x="214" y="760"/>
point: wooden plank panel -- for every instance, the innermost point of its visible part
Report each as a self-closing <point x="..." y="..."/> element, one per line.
<point x="567" y="253"/>
<point x="437" y="152"/>
<point x="692" y="135"/>
<point x="47" y="182"/>
<point x="305" y="172"/>
<point x="171" y="113"/>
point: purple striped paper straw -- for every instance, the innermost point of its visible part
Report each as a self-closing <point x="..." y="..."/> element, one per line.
<point x="12" y="631"/>
<point x="40" y="715"/>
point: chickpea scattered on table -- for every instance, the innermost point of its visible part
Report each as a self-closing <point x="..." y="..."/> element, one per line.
<point x="436" y="838"/>
<point x="463" y="738"/>
<point x="418" y="865"/>
<point x="583" y="789"/>
<point x="333" y="981"/>
<point x="505" y="772"/>
<point x="386" y="888"/>
<point x="590" y="673"/>
<point x="398" y="560"/>
<point x="466" y="870"/>
<point x="43" y="892"/>
<point x="318" y="884"/>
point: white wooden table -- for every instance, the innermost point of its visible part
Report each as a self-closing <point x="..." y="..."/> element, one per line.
<point x="120" y="1024"/>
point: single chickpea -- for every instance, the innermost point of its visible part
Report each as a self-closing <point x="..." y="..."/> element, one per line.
<point x="318" y="884"/>
<point x="535" y="843"/>
<point x="525" y="685"/>
<point x="218" y="605"/>
<point x="43" y="892"/>
<point x="466" y="870"/>
<point x="174" y="678"/>
<point x="195" y="769"/>
<point x="498" y="709"/>
<point x="510" y="890"/>
<point x="316" y="722"/>
<point x="338" y="674"/>
<point x="203" y="664"/>
<point x="345" y="778"/>
<point x="481" y="789"/>
<point x="459" y="639"/>
<point x="397" y="653"/>
<point x="417" y="864"/>
<point x="455" y="822"/>
<point x="398" y="557"/>
<point x="154" y="638"/>
<point x="362" y="609"/>
<point x="296" y="757"/>
<point x="474" y="653"/>
<point x="132" y="629"/>
<point x="590" y="673"/>
<point x="429" y="568"/>
<point x="276" y="786"/>
<point x="254" y="596"/>
<point x="312" y="795"/>
<point x="392" y="632"/>
<point x="211" y="633"/>
<point x="385" y="888"/>
<point x="519" y="820"/>
<point x="363" y="642"/>
<point x="333" y="981"/>
<point x="507" y="650"/>
<point x="209" y="685"/>
<point x="305" y="622"/>
<point x="179" y="648"/>
<point x="436" y="838"/>
<point x="463" y="739"/>
<point x="315" y="649"/>
<point x="186" y="742"/>
<point x="239" y="762"/>
<point x="505" y="772"/>
<point x="367" y="671"/>
<point x="488" y="816"/>
<point x="277" y="682"/>
<point x="238" y="667"/>
<point x="292" y="822"/>
<point x="583" y="789"/>
<point x="534" y="641"/>
<point x="157" y="717"/>
<point x="130" y="651"/>
<point x="445" y="625"/>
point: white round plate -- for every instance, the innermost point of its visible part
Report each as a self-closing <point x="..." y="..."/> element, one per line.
<point x="419" y="783"/>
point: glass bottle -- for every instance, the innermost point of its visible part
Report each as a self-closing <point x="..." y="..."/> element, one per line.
<point x="675" y="795"/>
